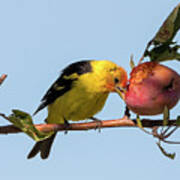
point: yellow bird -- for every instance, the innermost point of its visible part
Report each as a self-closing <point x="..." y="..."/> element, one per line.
<point x="78" y="94"/>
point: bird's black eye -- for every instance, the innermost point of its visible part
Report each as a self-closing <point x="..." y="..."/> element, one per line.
<point x="116" y="80"/>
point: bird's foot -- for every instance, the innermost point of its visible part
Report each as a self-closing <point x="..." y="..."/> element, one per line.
<point x="98" y="122"/>
<point x="66" y="126"/>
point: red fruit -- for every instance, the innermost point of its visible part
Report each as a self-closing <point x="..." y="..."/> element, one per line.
<point x="152" y="86"/>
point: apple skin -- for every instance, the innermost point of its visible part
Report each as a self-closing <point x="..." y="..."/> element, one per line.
<point x="152" y="86"/>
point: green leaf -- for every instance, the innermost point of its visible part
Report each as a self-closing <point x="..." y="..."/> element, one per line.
<point x="165" y="116"/>
<point x="23" y="121"/>
<point x="178" y="121"/>
<point x="164" y="53"/>
<point x="164" y="48"/>
<point x="169" y="28"/>
<point x="169" y="155"/>
<point x="138" y="120"/>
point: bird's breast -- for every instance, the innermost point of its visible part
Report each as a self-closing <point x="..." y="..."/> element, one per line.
<point x="77" y="104"/>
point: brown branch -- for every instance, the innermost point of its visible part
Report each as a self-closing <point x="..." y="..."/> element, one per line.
<point x="2" y="78"/>
<point x="124" y="122"/>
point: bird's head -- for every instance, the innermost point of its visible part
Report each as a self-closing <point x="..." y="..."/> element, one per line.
<point x="112" y="77"/>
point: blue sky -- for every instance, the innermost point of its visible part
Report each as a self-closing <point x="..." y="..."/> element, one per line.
<point x="38" y="38"/>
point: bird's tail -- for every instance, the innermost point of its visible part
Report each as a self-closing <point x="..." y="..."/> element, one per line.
<point x="42" y="147"/>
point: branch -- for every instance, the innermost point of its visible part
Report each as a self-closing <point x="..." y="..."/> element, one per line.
<point x="2" y="78"/>
<point x="123" y="122"/>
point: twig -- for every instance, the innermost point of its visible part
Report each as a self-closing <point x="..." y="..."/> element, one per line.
<point x="164" y="134"/>
<point x="123" y="122"/>
<point x="2" y="78"/>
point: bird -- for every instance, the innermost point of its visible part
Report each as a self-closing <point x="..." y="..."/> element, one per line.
<point x="79" y="93"/>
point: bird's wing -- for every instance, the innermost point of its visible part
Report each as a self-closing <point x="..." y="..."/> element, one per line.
<point x="64" y="83"/>
<point x="59" y="87"/>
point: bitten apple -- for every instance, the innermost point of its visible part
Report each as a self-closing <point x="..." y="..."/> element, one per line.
<point x="152" y="86"/>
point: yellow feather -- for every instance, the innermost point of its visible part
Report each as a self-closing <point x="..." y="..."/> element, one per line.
<point x="87" y="96"/>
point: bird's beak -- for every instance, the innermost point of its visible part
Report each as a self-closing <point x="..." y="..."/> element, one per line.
<point x="120" y="88"/>
<point x="121" y="91"/>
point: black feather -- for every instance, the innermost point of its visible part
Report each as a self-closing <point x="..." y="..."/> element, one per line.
<point x="43" y="147"/>
<point x="80" y="67"/>
<point x="53" y="93"/>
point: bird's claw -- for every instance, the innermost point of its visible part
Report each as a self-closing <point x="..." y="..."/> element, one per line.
<point x="66" y="126"/>
<point x="98" y="124"/>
